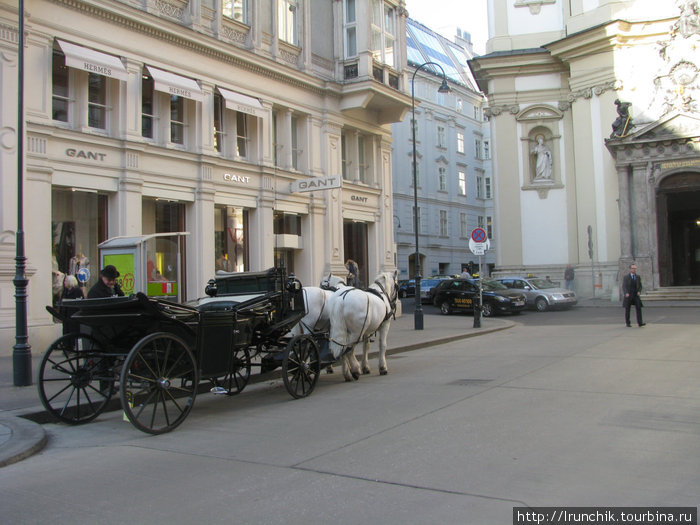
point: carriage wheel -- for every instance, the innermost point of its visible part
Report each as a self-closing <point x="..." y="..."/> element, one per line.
<point x="75" y="379"/>
<point x="158" y="383"/>
<point x="301" y="366"/>
<point x="236" y="380"/>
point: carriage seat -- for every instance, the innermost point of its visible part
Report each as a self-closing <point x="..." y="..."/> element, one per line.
<point x="223" y="303"/>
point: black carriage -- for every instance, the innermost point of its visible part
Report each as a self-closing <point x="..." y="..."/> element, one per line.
<point x="157" y="354"/>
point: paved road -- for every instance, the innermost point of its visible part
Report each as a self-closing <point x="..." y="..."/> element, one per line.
<point x="567" y="408"/>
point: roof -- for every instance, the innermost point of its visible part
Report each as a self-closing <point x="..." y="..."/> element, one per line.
<point x="425" y="45"/>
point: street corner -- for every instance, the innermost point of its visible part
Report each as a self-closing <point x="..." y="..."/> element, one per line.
<point x="19" y="439"/>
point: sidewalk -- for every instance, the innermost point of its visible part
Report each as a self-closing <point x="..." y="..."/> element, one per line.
<point x="21" y="437"/>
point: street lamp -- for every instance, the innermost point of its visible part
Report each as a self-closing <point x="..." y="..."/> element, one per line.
<point x="444" y="88"/>
<point x="22" y="351"/>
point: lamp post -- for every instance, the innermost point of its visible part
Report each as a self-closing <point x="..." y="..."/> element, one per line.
<point x="444" y="88"/>
<point x="22" y="351"/>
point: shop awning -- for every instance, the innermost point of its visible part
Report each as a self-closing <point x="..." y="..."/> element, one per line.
<point x="175" y="84"/>
<point x="242" y="103"/>
<point x="80" y="57"/>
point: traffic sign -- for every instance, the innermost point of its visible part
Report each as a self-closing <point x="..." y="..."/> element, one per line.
<point x="83" y="275"/>
<point x="479" y="235"/>
<point x="479" y="248"/>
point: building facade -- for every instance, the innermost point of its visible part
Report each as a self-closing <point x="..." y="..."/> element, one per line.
<point x="595" y="125"/>
<point x="453" y="167"/>
<point x="207" y="118"/>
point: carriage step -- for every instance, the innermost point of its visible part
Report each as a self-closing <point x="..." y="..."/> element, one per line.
<point x="218" y="390"/>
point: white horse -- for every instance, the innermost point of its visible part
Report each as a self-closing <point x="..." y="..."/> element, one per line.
<point x="317" y="316"/>
<point x="356" y="315"/>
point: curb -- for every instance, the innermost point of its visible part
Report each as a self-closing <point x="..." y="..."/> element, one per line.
<point x="26" y="439"/>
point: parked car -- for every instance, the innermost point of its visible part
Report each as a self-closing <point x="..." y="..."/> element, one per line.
<point x="407" y="288"/>
<point x="426" y="286"/>
<point x="461" y="294"/>
<point x="541" y="294"/>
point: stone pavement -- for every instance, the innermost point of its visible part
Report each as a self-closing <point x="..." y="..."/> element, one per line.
<point x="20" y="437"/>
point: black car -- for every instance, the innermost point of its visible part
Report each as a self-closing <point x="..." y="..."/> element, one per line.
<point x="407" y="288"/>
<point x="461" y="294"/>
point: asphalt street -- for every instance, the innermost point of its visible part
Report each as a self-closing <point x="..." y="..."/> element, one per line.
<point x="563" y="409"/>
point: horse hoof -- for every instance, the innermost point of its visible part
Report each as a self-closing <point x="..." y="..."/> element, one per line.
<point x="355" y="376"/>
<point x="366" y="371"/>
<point x="383" y="371"/>
<point x="348" y="380"/>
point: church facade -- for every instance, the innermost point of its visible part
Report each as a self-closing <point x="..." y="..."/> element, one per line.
<point x="595" y="124"/>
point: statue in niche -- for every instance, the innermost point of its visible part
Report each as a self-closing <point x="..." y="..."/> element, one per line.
<point x="623" y="122"/>
<point x="543" y="160"/>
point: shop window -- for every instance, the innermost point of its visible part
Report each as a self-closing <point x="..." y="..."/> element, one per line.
<point x="177" y="120"/>
<point x="60" y="103"/>
<point x="235" y="9"/>
<point x="165" y="216"/>
<point x="242" y="137"/>
<point x="229" y="123"/>
<point x="287" y="21"/>
<point x="287" y="224"/>
<point x="230" y="234"/>
<point x="78" y="225"/>
<point x="147" y="106"/>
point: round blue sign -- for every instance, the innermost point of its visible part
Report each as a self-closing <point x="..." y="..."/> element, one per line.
<point x="479" y="235"/>
<point x="83" y="275"/>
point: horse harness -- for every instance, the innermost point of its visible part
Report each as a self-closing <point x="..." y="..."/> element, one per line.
<point x="391" y="311"/>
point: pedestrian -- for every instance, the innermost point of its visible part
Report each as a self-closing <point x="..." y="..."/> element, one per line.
<point x="569" y="277"/>
<point x="353" y="273"/>
<point x="71" y="290"/>
<point x="465" y="273"/>
<point x="107" y="285"/>
<point x="632" y="288"/>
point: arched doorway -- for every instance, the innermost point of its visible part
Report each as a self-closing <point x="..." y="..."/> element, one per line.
<point x="678" y="225"/>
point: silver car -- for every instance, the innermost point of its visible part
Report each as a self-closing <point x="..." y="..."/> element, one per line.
<point x="541" y="294"/>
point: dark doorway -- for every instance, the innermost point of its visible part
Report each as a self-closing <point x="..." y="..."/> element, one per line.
<point x="678" y="210"/>
<point x="355" y="247"/>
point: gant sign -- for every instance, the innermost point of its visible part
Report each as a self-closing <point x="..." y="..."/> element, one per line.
<point x="317" y="183"/>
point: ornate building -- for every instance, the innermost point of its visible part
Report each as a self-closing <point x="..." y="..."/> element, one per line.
<point x="207" y="118"/>
<point x="610" y="88"/>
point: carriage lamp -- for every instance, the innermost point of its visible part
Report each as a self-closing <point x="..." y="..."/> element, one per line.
<point x="444" y="88"/>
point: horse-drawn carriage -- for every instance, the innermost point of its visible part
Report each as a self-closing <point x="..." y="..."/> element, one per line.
<point x="155" y="353"/>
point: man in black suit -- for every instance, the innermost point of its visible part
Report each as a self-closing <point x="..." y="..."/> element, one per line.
<point x="631" y="288"/>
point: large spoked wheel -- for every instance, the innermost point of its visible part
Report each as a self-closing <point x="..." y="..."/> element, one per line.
<point x="236" y="380"/>
<point x="301" y="366"/>
<point x="75" y="379"/>
<point x="158" y="383"/>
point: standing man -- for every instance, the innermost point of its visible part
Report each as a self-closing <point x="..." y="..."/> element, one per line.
<point x="569" y="277"/>
<point x="107" y="285"/>
<point x="631" y="288"/>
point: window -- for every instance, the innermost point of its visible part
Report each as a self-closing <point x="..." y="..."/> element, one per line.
<point x="442" y="178"/>
<point x="441" y="136"/>
<point x="147" y="106"/>
<point x="460" y="142"/>
<point x="219" y="123"/>
<point x="287" y="21"/>
<point x="177" y="120"/>
<point x="477" y="148"/>
<point x="460" y="105"/>
<point x="480" y="221"/>
<point x="417" y="216"/>
<point x="417" y="167"/>
<point x="463" y="232"/>
<point x="344" y="155"/>
<point x="350" y="29"/>
<point x="487" y="184"/>
<point x="235" y="9"/>
<point x="462" y="183"/>
<point x="295" y="143"/>
<point x="383" y="27"/>
<point x="477" y="113"/>
<point x="443" y="223"/>
<point x="242" y="136"/>
<point x="231" y="248"/>
<point x="286" y="224"/>
<point x="97" y="101"/>
<point x="362" y="158"/>
<point x="415" y="129"/>
<point x="60" y="101"/>
<point x="479" y="187"/>
<point x="487" y="150"/>
<point x="489" y="227"/>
